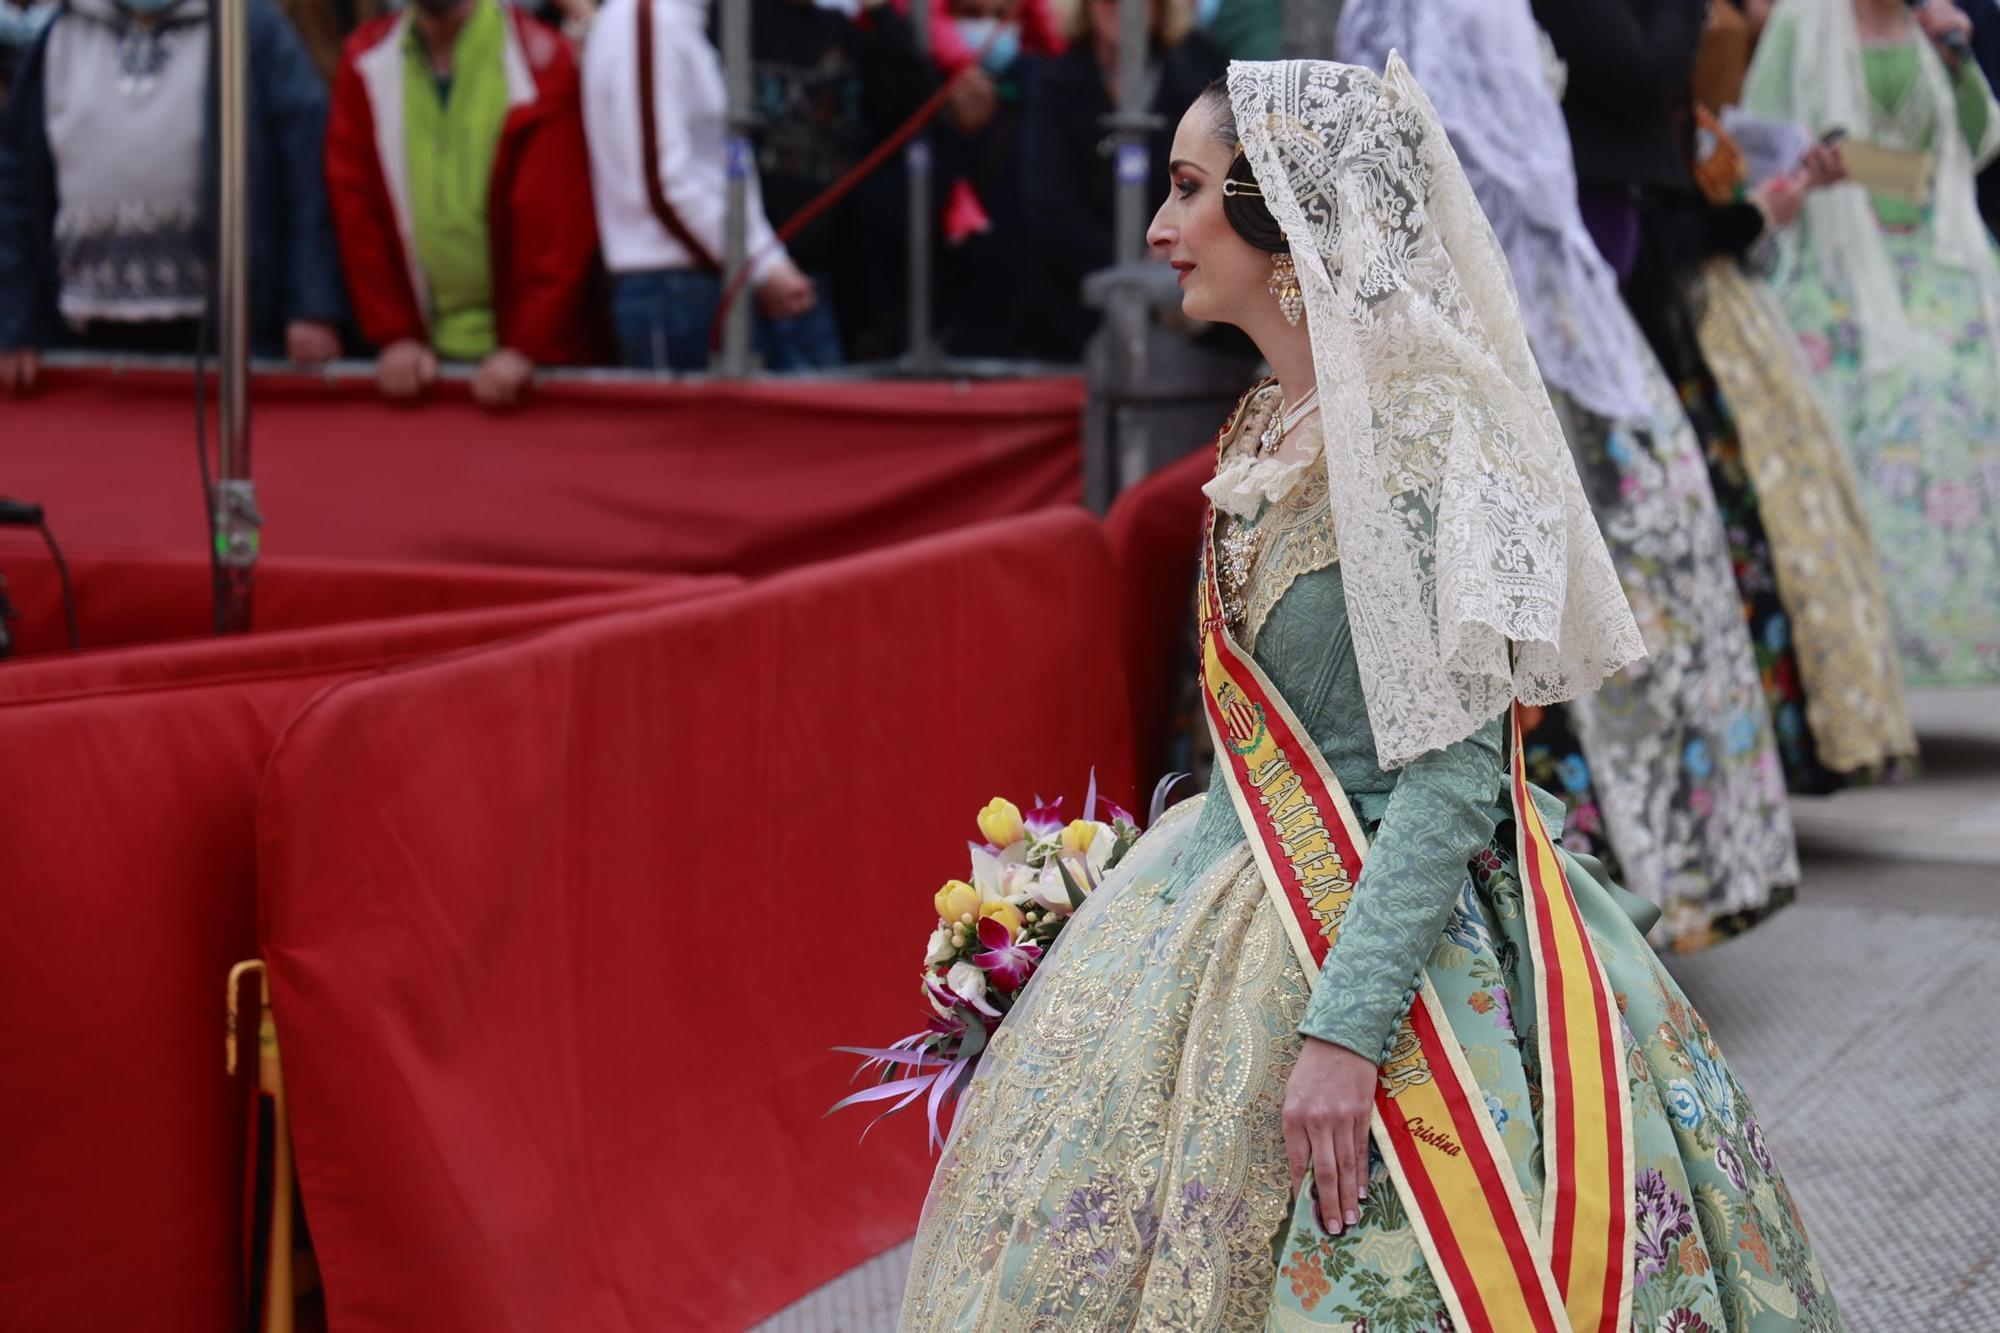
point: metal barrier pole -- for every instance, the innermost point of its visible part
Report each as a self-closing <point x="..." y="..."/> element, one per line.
<point x="922" y="354"/>
<point x="234" y="500"/>
<point x="742" y="161"/>
<point x="1132" y="123"/>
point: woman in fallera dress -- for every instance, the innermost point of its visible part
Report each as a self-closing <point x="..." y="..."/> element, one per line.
<point x="1256" y="1084"/>
<point x="1671" y="771"/>
<point x="1894" y="292"/>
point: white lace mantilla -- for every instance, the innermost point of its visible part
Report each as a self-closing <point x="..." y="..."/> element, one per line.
<point x="1463" y="529"/>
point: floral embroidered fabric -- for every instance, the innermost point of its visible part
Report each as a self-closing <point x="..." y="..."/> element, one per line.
<point x="1828" y="573"/>
<point x="1118" y="1162"/>
<point x="1681" y="746"/>
<point x="1900" y="326"/>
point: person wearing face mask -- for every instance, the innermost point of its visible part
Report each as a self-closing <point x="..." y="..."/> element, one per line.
<point x="983" y="207"/>
<point x="959" y="29"/>
<point x="107" y="188"/>
<point x="461" y="192"/>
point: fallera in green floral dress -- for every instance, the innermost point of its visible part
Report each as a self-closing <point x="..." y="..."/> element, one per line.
<point x="1924" y="432"/>
<point x="1119" y="1162"/>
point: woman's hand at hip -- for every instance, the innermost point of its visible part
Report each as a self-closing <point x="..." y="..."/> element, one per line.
<point x="1327" y="1105"/>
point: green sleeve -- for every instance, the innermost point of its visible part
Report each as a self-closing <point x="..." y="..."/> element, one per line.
<point x="1441" y="812"/>
<point x="1975" y="105"/>
<point x="1767" y="89"/>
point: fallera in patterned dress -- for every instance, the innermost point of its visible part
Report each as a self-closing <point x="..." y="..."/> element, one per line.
<point x="1365" y="873"/>
<point x="1118" y="1162"/>
<point x="1894" y="295"/>
<point x="1671" y="772"/>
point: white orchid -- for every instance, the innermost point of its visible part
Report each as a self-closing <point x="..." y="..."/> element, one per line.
<point x="967" y="982"/>
<point x="1049" y="893"/>
<point x="1004" y="876"/>
<point x="993" y="930"/>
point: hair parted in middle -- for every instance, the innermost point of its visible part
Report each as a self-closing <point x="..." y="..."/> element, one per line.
<point x="1247" y="212"/>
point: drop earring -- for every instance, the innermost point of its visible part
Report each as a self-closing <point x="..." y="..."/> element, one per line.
<point x="1285" y="286"/>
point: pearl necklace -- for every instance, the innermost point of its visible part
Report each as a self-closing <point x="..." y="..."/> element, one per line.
<point x="1282" y="423"/>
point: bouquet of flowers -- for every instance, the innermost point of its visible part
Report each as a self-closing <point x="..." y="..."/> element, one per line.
<point x="1029" y="873"/>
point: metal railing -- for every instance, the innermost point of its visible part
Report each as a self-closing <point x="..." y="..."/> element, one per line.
<point x="1121" y="369"/>
<point x="233" y="496"/>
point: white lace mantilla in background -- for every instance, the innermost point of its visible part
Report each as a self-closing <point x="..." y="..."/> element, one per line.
<point x="1514" y="148"/>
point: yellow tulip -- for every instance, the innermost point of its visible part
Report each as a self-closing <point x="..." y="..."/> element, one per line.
<point x="956" y="900"/>
<point x="1006" y="914"/>
<point x="1077" y="836"/>
<point x="1000" y="822"/>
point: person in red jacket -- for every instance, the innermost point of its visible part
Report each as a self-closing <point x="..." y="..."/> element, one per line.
<point x="460" y="186"/>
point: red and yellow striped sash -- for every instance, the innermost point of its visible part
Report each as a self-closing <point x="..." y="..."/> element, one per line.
<point x="1498" y="1269"/>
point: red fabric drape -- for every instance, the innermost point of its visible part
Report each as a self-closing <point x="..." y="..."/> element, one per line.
<point x="1155" y="531"/>
<point x="688" y="477"/>
<point x="563" y="1032"/>
<point x="127" y="597"/>
<point x="128" y="783"/>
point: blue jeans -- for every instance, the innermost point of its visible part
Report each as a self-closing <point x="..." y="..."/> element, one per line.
<point x="663" y="318"/>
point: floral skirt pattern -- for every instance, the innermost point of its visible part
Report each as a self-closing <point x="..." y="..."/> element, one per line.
<point x="1681" y="749"/>
<point x="1925" y="442"/>
<point x="1119" y="1163"/>
<point x="1821" y="556"/>
<point x="1756" y="581"/>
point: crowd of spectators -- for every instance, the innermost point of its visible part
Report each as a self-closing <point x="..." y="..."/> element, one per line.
<point x="506" y="185"/>
<point x="518" y="183"/>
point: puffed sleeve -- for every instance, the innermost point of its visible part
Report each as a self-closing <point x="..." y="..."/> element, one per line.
<point x="1441" y="812"/>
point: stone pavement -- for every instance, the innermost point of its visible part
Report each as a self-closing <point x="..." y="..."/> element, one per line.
<point x="1856" y="1019"/>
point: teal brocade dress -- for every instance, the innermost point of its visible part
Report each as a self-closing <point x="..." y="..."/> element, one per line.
<point x="1119" y="1161"/>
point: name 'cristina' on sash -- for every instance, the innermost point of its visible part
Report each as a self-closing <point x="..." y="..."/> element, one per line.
<point x="1437" y="1138"/>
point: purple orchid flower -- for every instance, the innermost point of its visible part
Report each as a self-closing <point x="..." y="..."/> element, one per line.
<point x="1045" y="820"/>
<point x="1114" y="813"/>
<point x="1007" y="962"/>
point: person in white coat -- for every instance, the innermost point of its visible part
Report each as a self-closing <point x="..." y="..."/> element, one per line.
<point x="656" y="114"/>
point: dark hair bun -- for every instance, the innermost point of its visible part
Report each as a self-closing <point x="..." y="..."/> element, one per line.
<point x="1249" y="214"/>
